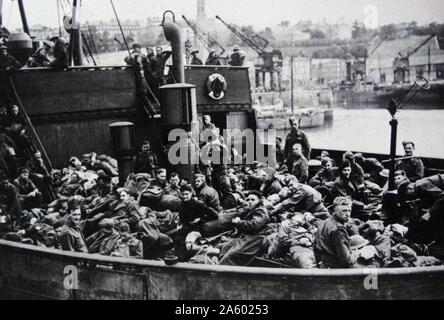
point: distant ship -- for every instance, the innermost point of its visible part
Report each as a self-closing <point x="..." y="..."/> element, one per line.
<point x="380" y="95"/>
<point x="313" y="108"/>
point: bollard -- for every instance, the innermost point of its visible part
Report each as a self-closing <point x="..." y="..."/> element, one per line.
<point x="122" y="139"/>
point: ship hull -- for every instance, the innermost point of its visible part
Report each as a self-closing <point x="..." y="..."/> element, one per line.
<point x="28" y="272"/>
<point x="430" y="99"/>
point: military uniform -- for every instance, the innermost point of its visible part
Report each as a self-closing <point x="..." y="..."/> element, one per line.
<point x="298" y="167"/>
<point x="332" y="245"/>
<point x="210" y="197"/>
<point x="71" y="238"/>
<point x="306" y="199"/>
<point x="213" y="61"/>
<point x="413" y="167"/>
<point x="243" y="250"/>
<point x="301" y="138"/>
<point x="237" y="59"/>
<point x="8" y="62"/>
<point x="196" y="61"/>
<point x="128" y="248"/>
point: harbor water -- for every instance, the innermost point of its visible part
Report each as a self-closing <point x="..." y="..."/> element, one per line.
<point x="368" y="130"/>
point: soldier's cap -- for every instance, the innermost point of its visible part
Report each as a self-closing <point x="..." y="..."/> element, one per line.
<point x="194" y="51"/>
<point x="23" y="170"/>
<point x="236" y="47"/>
<point x="107" y="223"/>
<point x="384" y="173"/>
<point x="199" y="175"/>
<point x="54" y="38"/>
<point x="212" y="51"/>
<point x="349" y="155"/>
<point x="405" y="143"/>
<point x="137" y="45"/>
<point x="120" y="190"/>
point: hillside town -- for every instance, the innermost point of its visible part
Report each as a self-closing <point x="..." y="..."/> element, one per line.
<point x="322" y="53"/>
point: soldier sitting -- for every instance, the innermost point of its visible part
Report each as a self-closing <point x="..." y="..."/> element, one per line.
<point x="243" y="250"/>
<point x="332" y="242"/>
<point x="30" y="197"/>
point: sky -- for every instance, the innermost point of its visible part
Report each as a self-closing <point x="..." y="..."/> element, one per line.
<point x="259" y="13"/>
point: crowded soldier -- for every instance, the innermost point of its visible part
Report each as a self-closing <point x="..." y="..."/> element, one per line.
<point x="60" y="53"/>
<point x="297" y="136"/>
<point x="39" y="59"/>
<point x="213" y="58"/>
<point x="332" y="242"/>
<point x="195" y="60"/>
<point x="146" y="161"/>
<point x="251" y="226"/>
<point x="7" y="61"/>
<point x="324" y="179"/>
<point x="157" y="64"/>
<point x="250" y="212"/>
<point x="411" y="165"/>
<point x="237" y="57"/>
<point x="29" y="195"/>
<point x="297" y="164"/>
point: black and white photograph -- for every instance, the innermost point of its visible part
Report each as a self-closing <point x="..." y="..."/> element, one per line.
<point x="221" y="154"/>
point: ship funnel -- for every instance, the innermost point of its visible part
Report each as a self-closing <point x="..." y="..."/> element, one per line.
<point x="173" y="35"/>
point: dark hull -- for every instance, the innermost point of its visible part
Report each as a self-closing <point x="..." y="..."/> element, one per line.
<point x="29" y="272"/>
<point x="72" y="110"/>
<point x="431" y="99"/>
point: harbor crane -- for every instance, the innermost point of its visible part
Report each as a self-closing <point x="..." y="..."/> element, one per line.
<point x="207" y="40"/>
<point x="401" y="64"/>
<point x="269" y="60"/>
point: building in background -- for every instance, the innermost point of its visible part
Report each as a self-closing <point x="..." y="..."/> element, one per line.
<point x="328" y="71"/>
<point x="401" y="60"/>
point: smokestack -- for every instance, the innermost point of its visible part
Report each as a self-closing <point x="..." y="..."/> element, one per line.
<point x="173" y="35"/>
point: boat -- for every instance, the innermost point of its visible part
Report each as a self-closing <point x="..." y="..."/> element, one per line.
<point x="276" y="117"/>
<point x="64" y="105"/>
<point x="28" y="272"/>
<point x="313" y="108"/>
<point x="376" y="96"/>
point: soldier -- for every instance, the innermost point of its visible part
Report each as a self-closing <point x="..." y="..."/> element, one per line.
<point x="251" y="225"/>
<point x="332" y="242"/>
<point x="39" y="59"/>
<point x="71" y="238"/>
<point x="7" y="61"/>
<point x="60" y="53"/>
<point x="237" y="58"/>
<point x="30" y="197"/>
<point x="206" y="194"/>
<point x="213" y="59"/>
<point x="297" y="164"/>
<point x="297" y="136"/>
<point x="413" y="166"/>
<point x="195" y="60"/>
<point x="146" y="161"/>
<point x="157" y="64"/>
<point x="9" y="201"/>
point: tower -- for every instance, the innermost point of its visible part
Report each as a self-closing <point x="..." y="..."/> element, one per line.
<point x="201" y="12"/>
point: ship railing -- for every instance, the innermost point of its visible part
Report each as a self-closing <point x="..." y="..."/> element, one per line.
<point x="99" y="261"/>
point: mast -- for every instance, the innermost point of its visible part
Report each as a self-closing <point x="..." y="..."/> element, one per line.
<point x="75" y="48"/>
<point x="429" y="65"/>
<point x="23" y="15"/>
<point x="292" y="84"/>
<point x="1" y="13"/>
